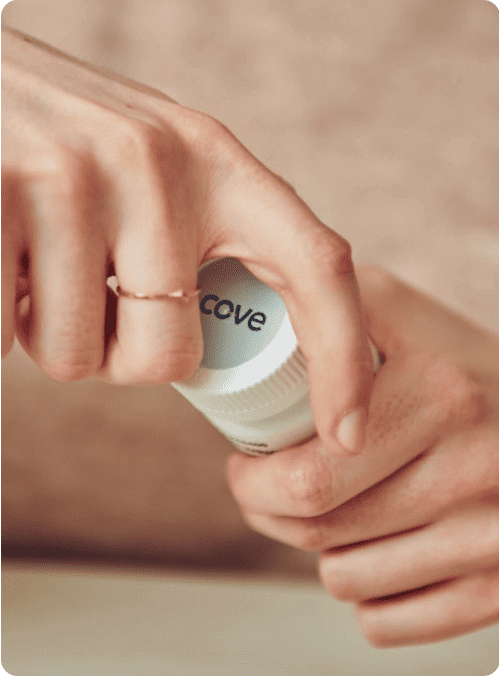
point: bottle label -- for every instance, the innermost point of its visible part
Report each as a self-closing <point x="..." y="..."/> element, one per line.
<point x="240" y="316"/>
<point x="228" y="305"/>
<point x="251" y="447"/>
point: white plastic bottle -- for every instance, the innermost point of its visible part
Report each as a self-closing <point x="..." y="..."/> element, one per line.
<point x="252" y="383"/>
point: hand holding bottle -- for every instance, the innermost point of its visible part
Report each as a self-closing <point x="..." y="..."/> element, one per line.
<point x="102" y="177"/>
<point x="408" y="531"/>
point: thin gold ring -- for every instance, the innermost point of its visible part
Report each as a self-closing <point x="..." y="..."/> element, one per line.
<point x="183" y="296"/>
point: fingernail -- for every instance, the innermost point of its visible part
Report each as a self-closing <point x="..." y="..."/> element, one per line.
<point x="352" y="430"/>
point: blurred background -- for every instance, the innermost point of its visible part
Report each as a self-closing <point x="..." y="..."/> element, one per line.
<point x="384" y="117"/>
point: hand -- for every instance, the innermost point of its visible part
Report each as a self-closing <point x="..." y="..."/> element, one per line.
<point x="409" y="530"/>
<point x="104" y="177"/>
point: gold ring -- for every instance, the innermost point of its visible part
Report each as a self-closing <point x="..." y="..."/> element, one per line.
<point x="183" y="296"/>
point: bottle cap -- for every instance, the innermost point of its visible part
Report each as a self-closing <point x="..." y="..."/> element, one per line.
<point x="252" y="366"/>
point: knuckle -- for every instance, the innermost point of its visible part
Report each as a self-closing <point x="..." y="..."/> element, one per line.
<point x="174" y="365"/>
<point x="338" y="585"/>
<point x="458" y="397"/>
<point x="252" y="522"/>
<point x="141" y="144"/>
<point x="303" y="535"/>
<point x="377" y="637"/>
<point x="332" y="253"/>
<point x="262" y="524"/>
<point x="71" y="367"/>
<point x="203" y="129"/>
<point x="71" y="179"/>
<point x="310" y="536"/>
<point x="309" y="485"/>
<point x="211" y="142"/>
<point x="373" y="629"/>
<point x="68" y="167"/>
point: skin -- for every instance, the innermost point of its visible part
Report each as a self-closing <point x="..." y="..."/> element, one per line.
<point x="408" y="531"/>
<point x="102" y="177"/>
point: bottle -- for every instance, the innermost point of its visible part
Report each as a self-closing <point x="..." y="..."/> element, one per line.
<point x="252" y="384"/>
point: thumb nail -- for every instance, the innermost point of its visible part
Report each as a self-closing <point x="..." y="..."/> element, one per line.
<point x="352" y="430"/>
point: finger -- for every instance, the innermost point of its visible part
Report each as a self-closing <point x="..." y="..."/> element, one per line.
<point x="437" y="613"/>
<point x="310" y="266"/>
<point x="464" y="542"/>
<point x="419" y="397"/>
<point x="407" y="415"/>
<point x="10" y="253"/>
<point x="333" y="338"/>
<point x="155" y="252"/>
<point x="63" y="329"/>
<point x="415" y="495"/>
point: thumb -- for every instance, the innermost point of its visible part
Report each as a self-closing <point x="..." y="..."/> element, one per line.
<point x="402" y="319"/>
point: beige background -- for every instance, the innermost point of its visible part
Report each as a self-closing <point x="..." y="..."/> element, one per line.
<point x="383" y="115"/>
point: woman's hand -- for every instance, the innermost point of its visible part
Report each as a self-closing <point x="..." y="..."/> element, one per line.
<point x="409" y="530"/>
<point x="104" y="177"/>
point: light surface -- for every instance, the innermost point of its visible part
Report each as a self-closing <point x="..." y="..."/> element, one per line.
<point x="91" y="622"/>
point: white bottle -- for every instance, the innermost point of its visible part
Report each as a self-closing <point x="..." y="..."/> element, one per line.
<point x="252" y="384"/>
